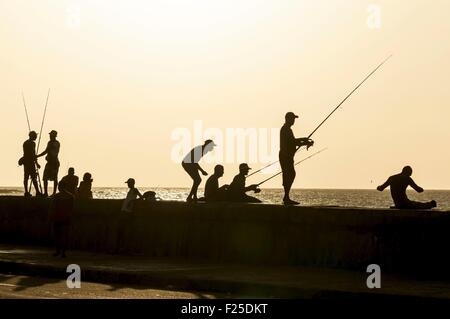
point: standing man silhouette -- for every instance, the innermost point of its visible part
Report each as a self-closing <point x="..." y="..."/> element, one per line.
<point x="288" y="146"/>
<point x="191" y="166"/>
<point x="52" y="166"/>
<point x="29" y="162"/>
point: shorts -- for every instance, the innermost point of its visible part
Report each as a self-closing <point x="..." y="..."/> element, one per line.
<point x="287" y="167"/>
<point x="192" y="170"/>
<point x="51" y="171"/>
<point x="29" y="170"/>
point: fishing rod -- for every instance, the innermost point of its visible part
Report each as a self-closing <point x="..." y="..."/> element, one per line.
<point x="43" y="120"/>
<point x="275" y="175"/>
<point x="26" y="112"/>
<point x="357" y="87"/>
<point x="39" y="141"/>
<point x="29" y="130"/>
<point x="334" y="110"/>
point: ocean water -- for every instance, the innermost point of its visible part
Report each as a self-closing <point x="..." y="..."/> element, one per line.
<point x="307" y="197"/>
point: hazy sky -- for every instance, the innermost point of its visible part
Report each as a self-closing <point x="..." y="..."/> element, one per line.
<point x="127" y="76"/>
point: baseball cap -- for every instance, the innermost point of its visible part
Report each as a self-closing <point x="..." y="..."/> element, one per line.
<point x="291" y="115"/>
<point x="130" y="180"/>
<point x="243" y="166"/>
<point x="207" y="142"/>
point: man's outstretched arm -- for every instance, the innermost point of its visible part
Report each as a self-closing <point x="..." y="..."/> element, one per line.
<point x="43" y="153"/>
<point x="415" y="186"/>
<point x="252" y="187"/>
<point x="383" y="186"/>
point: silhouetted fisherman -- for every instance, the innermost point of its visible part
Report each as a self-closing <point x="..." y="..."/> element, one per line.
<point x="71" y="181"/>
<point x="214" y="193"/>
<point x="237" y="189"/>
<point x="52" y="166"/>
<point x="398" y="184"/>
<point x="288" y="148"/>
<point x="30" y="164"/>
<point x="61" y="209"/>
<point x="132" y="196"/>
<point x="85" y="189"/>
<point x="191" y="166"/>
<point x="125" y="215"/>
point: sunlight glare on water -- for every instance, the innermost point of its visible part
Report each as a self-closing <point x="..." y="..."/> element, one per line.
<point x="306" y="197"/>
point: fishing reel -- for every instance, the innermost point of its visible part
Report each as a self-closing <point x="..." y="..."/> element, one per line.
<point x="256" y="189"/>
<point x="306" y="141"/>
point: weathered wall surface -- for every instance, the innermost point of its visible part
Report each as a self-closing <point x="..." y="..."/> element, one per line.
<point x="237" y="233"/>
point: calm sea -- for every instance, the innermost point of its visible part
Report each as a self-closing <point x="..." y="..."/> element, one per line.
<point x="307" y="197"/>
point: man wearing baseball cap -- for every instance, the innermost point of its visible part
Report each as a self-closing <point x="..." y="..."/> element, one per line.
<point x="124" y="218"/>
<point x="191" y="166"/>
<point x="288" y="147"/>
<point x="132" y="195"/>
<point x="237" y="189"/>
<point x="29" y="162"/>
<point x="52" y="167"/>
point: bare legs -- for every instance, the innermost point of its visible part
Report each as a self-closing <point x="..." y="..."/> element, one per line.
<point x="193" y="194"/>
<point x="35" y="184"/>
<point x="192" y="170"/>
<point x="55" y="186"/>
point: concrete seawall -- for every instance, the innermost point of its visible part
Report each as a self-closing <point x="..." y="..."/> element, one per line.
<point x="404" y="241"/>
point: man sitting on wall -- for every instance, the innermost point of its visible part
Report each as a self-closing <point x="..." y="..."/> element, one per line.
<point x="237" y="190"/>
<point x="398" y="184"/>
<point x="214" y="193"/>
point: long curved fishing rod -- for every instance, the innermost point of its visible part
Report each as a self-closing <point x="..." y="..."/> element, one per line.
<point x="334" y="110"/>
<point x="26" y="112"/>
<point x="275" y="175"/>
<point x="43" y="120"/>
<point x="29" y="130"/>
<point x="345" y="99"/>
<point x="39" y="141"/>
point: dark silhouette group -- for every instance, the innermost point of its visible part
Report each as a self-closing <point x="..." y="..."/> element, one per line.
<point x="289" y="145"/>
<point x="236" y="191"/>
<point x="51" y="170"/>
